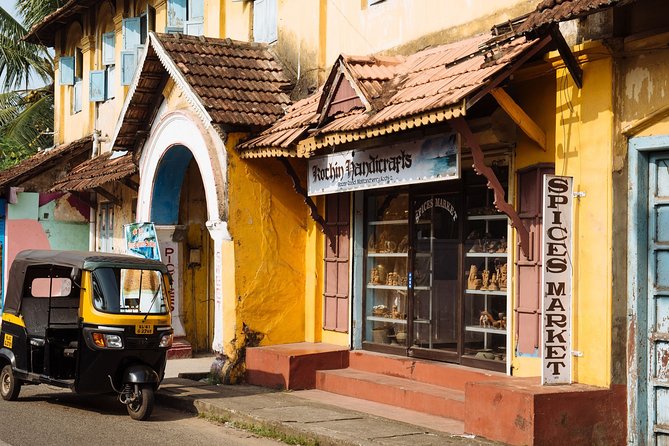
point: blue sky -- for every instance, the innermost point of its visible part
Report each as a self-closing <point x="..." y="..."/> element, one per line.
<point x="8" y="5"/>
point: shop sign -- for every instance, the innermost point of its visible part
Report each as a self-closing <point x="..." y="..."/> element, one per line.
<point x="556" y="259"/>
<point x="141" y="240"/>
<point x="421" y="161"/>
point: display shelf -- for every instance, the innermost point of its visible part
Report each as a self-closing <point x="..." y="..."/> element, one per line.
<point x="387" y="254"/>
<point x="393" y="320"/>
<point x="491" y="330"/>
<point x="386" y="287"/>
<point x="388" y="222"/>
<point x="486" y="255"/>
<point x="487" y="292"/>
<point x="487" y="217"/>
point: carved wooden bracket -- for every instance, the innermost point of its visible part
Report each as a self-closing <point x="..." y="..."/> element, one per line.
<point x="313" y="210"/>
<point x="460" y="125"/>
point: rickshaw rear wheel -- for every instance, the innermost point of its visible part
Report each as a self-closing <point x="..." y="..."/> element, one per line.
<point x="141" y="406"/>
<point x="9" y="385"/>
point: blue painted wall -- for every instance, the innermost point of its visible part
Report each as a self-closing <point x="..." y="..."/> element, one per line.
<point x="167" y="186"/>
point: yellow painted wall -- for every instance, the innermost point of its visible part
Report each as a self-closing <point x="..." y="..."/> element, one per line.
<point x="267" y="222"/>
<point x="197" y="309"/>
<point x="580" y="143"/>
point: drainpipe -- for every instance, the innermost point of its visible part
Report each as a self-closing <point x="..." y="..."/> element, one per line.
<point x="92" y="223"/>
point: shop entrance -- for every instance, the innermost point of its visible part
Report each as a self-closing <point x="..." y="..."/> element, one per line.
<point x="435" y="269"/>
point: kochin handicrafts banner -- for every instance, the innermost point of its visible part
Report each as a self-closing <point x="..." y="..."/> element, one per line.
<point x="556" y="259"/>
<point x="429" y="159"/>
<point x="141" y="240"/>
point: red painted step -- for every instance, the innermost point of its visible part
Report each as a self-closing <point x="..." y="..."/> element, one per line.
<point x="441" y="374"/>
<point x="399" y="392"/>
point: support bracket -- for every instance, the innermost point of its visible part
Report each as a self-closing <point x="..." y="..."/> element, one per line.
<point x="460" y="125"/>
<point x="313" y="210"/>
<point x="108" y="195"/>
<point x="567" y="56"/>
<point x="518" y="115"/>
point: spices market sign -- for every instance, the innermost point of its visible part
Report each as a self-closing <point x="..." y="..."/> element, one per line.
<point x="421" y="161"/>
<point x="556" y="259"/>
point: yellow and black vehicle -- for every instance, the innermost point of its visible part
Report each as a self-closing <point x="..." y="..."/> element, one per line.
<point x="88" y="321"/>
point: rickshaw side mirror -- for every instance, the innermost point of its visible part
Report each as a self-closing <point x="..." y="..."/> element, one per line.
<point x="74" y="274"/>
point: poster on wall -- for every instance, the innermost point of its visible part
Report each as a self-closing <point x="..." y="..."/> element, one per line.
<point x="556" y="279"/>
<point x="141" y="240"/>
<point x="430" y="159"/>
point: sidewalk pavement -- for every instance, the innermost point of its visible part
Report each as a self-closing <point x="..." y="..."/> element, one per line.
<point x="313" y="416"/>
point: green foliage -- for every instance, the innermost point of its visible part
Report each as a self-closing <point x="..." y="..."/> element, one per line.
<point x="26" y="115"/>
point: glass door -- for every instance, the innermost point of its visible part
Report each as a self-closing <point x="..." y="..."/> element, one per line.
<point x="434" y="283"/>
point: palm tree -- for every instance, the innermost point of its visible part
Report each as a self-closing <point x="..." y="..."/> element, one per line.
<point x="26" y="114"/>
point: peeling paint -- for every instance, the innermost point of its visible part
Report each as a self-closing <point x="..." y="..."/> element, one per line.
<point x="634" y="84"/>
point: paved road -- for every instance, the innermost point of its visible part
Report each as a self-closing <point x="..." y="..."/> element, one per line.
<point x="44" y="415"/>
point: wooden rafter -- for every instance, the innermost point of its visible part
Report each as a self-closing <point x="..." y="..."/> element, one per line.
<point x="460" y="125"/>
<point x="313" y="210"/>
<point x="567" y="56"/>
<point x="518" y="115"/>
<point x="108" y="195"/>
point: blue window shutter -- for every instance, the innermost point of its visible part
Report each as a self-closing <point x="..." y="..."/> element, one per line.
<point x="131" y="33"/>
<point x="265" y="20"/>
<point x="66" y="70"/>
<point x="76" y="96"/>
<point x="109" y="80"/>
<point x="128" y="64"/>
<point x="96" y="92"/>
<point x="176" y="14"/>
<point x="195" y="9"/>
<point x="108" y="44"/>
<point x="194" y="27"/>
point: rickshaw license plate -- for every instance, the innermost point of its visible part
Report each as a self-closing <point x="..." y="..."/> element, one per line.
<point x="143" y="329"/>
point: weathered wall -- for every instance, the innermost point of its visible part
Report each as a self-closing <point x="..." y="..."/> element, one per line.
<point x="45" y="221"/>
<point x="197" y="309"/>
<point x="579" y="130"/>
<point x="267" y="222"/>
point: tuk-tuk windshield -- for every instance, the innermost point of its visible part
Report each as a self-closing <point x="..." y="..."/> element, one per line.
<point x="122" y="291"/>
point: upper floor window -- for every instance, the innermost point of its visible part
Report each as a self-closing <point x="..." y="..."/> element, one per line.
<point x="102" y="81"/>
<point x="265" y="21"/>
<point x="71" y="72"/>
<point x="135" y="33"/>
<point x="185" y="16"/>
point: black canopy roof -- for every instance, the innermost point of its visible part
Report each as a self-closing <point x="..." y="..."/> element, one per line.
<point x="83" y="260"/>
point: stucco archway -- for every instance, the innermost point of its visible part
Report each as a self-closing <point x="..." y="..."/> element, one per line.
<point x="184" y="130"/>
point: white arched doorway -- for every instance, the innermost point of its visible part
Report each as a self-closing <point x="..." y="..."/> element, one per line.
<point x="177" y="139"/>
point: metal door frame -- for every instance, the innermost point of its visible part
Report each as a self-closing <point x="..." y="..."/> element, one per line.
<point x="640" y="151"/>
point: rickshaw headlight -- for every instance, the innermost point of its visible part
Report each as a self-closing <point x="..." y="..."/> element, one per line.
<point x="104" y="340"/>
<point x="114" y="341"/>
<point x="166" y="341"/>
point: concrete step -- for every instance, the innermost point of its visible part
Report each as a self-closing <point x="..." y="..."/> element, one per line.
<point x="398" y="392"/>
<point x="181" y="349"/>
<point x="441" y="374"/>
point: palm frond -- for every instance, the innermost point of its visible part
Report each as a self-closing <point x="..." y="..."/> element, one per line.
<point x="33" y="11"/>
<point x="32" y="126"/>
<point x="20" y="60"/>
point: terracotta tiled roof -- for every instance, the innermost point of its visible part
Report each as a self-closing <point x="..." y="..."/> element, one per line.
<point x="237" y="84"/>
<point x="44" y="32"/>
<point x="426" y="87"/>
<point x="44" y="160"/>
<point x="554" y="11"/>
<point x="103" y="169"/>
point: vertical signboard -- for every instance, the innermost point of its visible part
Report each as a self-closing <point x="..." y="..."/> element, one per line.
<point x="556" y="259"/>
<point x="170" y="253"/>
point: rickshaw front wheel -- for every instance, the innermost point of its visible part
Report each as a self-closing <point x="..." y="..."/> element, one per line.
<point x="9" y="385"/>
<point x="141" y="405"/>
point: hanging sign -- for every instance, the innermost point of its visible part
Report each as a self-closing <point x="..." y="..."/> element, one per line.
<point x="141" y="240"/>
<point x="556" y="259"/>
<point x="424" y="160"/>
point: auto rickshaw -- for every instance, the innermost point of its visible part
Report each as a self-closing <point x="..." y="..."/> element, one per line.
<point x="88" y="321"/>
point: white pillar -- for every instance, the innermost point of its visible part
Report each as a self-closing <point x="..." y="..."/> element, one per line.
<point x="218" y="230"/>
